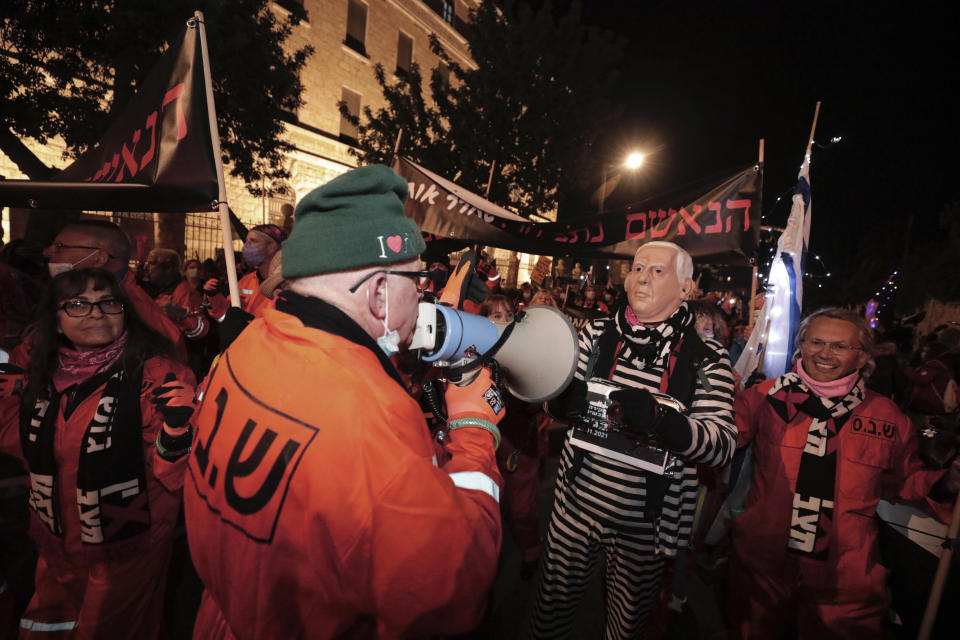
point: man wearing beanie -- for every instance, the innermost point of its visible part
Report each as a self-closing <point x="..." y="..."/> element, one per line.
<point x="315" y="506"/>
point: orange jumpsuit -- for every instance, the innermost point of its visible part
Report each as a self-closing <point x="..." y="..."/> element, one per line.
<point x="314" y="504"/>
<point x="251" y="300"/>
<point x="843" y="596"/>
<point x="78" y="597"/>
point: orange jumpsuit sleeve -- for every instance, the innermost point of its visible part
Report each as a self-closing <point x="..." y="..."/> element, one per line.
<point x="151" y="313"/>
<point x="436" y="540"/>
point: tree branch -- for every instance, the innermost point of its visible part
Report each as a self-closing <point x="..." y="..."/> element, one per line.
<point x="25" y="159"/>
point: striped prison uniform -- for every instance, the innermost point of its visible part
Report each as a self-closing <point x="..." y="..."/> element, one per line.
<point x="603" y="508"/>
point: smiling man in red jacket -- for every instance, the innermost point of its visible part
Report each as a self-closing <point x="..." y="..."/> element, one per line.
<point x="315" y="506"/>
<point x="805" y="550"/>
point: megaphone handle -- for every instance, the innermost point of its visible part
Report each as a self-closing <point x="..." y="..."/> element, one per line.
<point x="433" y="400"/>
<point x="495" y="373"/>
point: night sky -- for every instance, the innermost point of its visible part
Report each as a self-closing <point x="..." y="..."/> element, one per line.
<point x="703" y="82"/>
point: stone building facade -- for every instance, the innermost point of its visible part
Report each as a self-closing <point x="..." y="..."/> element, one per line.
<point x="349" y="38"/>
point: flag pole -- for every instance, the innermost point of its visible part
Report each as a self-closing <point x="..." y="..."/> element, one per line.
<point x="228" y="258"/>
<point x="478" y="248"/>
<point x="486" y="193"/>
<point x="396" y="146"/>
<point x="813" y="128"/>
<point x="940" y="578"/>
<point x="753" y="280"/>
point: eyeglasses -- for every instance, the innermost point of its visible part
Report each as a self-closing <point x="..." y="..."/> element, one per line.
<point x="416" y="275"/>
<point x="816" y="345"/>
<point x="59" y="245"/>
<point x="83" y="308"/>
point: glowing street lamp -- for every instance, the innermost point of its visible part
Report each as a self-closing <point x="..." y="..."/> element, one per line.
<point x="633" y="162"/>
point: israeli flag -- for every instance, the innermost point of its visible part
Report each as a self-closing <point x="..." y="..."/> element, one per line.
<point x="770" y="347"/>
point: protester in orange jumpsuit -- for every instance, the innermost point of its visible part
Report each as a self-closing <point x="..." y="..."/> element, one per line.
<point x="315" y="505"/>
<point x="102" y="426"/>
<point x="262" y="243"/>
<point x="805" y="550"/>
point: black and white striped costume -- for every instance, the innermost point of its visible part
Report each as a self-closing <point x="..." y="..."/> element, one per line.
<point x="603" y="507"/>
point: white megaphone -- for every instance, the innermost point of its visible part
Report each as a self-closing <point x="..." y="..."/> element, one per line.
<point x="537" y="352"/>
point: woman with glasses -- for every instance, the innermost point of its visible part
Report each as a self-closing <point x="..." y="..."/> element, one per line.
<point x="101" y="422"/>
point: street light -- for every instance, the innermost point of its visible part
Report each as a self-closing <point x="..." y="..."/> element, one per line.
<point x="633" y="162"/>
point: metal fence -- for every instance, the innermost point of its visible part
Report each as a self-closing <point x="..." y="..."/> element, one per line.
<point x="202" y="235"/>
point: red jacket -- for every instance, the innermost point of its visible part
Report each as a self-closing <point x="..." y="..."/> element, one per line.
<point x="99" y="594"/>
<point x="876" y="452"/>
<point x="314" y="504"/>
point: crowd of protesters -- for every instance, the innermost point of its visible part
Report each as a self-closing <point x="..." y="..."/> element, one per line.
<point x="325" y="495"/>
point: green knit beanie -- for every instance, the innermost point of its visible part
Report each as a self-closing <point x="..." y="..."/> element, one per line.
<point x="355" y="220"/>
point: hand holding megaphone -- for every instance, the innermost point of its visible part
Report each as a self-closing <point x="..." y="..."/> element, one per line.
<point x="477" y="404"/>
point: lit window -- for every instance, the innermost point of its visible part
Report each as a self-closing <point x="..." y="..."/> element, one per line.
<point x="448" y="11"/>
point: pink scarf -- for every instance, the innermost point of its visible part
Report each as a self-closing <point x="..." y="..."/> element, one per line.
<point x="833" y="389"/>
<point x="73" y="367"/>
<point x="632" y="319"/>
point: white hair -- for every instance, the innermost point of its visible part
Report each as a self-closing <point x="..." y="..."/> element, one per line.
<point x="683" y="264"/>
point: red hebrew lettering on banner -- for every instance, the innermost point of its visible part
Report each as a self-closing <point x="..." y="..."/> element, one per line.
<point x="715" y="225"/>
<point x="156" y="156"/>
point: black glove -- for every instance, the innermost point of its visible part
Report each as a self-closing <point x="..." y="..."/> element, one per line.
<point x="477" y="289"/>
<point x="234" y="321"/>
<point x="175" y="401"/>
<point x="646" y="418"/>
<point x="636" y="408"/>
<point x="570" y="403"/>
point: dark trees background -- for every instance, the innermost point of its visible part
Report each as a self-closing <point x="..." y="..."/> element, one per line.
<point x="69" y="66"/>
<point x="539" y="97"/>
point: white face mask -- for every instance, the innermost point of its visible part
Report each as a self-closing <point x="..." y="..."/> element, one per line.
<point x="389" y="342"/>
<point x="56" y="268"/>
